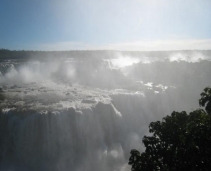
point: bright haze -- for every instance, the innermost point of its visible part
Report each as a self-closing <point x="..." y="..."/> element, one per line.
<point x="105" y="24"/>
<point x="81" y="80"/>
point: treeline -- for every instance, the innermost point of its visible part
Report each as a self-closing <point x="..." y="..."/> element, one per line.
<point x="17" y="54"/>
<point x="6" y="54"/>
<point x="180" y="141"/>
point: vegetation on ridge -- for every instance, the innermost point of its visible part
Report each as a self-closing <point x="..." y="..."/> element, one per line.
<point x="180" y="142"/>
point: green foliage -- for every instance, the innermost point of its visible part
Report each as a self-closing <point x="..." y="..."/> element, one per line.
<point x="205" y="100"/>
<point x="179" y="142"/>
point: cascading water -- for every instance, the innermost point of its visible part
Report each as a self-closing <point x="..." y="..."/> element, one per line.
<point x="84" y="115"/>
<point x="60" y="140"/>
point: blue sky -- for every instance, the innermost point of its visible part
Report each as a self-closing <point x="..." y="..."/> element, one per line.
<point x="105" y="24"/>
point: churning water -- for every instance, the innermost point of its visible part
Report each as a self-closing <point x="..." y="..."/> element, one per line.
<point x="88" y="112"/>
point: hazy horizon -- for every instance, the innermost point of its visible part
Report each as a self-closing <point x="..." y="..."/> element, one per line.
<point x="81" y="80"/>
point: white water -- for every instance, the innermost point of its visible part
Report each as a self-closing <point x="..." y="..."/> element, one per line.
<point x="62" y="115"/>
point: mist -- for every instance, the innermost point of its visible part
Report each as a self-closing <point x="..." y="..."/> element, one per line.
<point x="85" y="110"/>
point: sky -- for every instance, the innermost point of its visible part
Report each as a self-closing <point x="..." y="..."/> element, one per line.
<point x="105" y="24"/>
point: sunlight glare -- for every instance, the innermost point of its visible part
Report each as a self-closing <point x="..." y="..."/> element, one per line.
<point x="124" y="61"/>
